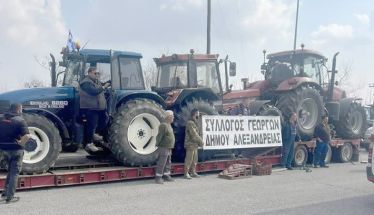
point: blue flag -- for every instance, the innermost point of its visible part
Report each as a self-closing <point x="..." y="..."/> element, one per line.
<point x="70" y="44"/>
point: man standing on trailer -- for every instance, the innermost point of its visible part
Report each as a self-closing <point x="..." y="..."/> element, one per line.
<point x="13" y="136"/>
<point x="192" y="142"/>
<point x="93" y="105"/>
<point x="288" y="138"/>
<point x="165" y="142"/>
<point x="322" y="133"/>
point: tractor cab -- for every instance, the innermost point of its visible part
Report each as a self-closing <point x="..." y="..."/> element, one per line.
<point x="188" y="71"/>
<point x="123" y="69"/>
<point x="286" y="65"/>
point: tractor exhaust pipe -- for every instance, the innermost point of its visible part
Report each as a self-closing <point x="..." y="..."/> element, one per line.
<point x="226" y="74"/>
<point x="53" y="71"/>
<point x="332" y="80"/>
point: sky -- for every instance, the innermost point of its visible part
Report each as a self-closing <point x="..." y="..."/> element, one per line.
<point x="31" y="29"/>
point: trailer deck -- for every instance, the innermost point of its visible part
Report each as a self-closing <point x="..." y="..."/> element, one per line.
<point x="80" y="169"/>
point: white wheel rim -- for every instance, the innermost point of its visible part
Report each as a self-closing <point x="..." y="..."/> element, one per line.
<point x="347" y="152"/>
<point x="142" y="133"/>
<point x="299" y="157"/>
<point x="42" y="146"/>
<point x="308" y="114"/>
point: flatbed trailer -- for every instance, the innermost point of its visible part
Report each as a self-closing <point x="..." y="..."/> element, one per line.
<point x="81" y="170"/>
<point x="339" y="150"/>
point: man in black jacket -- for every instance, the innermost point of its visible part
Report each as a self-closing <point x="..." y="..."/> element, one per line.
<point x="93" y="105"/>
<point x="322" y="133"/>
<point x="14" y="134"/>
<point x="288" y="138"/>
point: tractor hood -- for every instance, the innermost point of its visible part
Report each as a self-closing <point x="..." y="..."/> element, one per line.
<point x="40" y="97"/>
<point x="242" y="94"/>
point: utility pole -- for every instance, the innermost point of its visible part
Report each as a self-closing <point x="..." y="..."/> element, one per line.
<point x="371" y="85"/>
<point x="297" y="18"/>
<point x="208" y="30"/>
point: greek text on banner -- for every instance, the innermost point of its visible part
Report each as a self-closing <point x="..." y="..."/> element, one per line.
<point x="231" y="132"/>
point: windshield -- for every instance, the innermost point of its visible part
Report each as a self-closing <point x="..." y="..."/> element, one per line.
<point x="207" y="76"/>
<point x="72" y="74"/>
<point x="131" y="74"/>
<point x="103" y="69"/>
<point x="310" y="66"/>
<point x="172" y="75"/>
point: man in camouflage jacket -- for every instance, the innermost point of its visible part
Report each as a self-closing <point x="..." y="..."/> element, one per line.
<point x="191" y="143"/>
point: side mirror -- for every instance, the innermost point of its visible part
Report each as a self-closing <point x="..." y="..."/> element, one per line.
<point x="336" y="83"/>
<point x="232" y="68"/>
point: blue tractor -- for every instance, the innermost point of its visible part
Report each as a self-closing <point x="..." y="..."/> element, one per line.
<point x="54" y="119"/>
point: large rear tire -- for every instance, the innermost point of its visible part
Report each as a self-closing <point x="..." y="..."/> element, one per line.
<point x="39" y="158"/>
<point x="205" y="108"/>
<point x="134" y="130"/>
<point x="307" y="103"/>
<point x="352" y="121"/>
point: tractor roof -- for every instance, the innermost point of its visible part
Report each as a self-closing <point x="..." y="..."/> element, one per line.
<point x="184" y="57"/>
<point x="104" y="55"/>
<point x="298" y="52"/>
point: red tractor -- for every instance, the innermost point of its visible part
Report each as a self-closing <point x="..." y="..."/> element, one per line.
<point x="298" y="81"/>
<point x="188" y="81"/>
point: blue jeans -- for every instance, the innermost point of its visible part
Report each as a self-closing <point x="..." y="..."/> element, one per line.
<point x="13" y="159"/>
<point x="288" y="153"/>
<point x="320" y="153"/>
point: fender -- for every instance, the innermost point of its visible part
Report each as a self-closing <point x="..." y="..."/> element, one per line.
<point x="53" y="117"/>
<point x="136" y="95"/>
<point x="255" y="106"/>
<point x="187" y="94"/>
<point x="296" y="82"/>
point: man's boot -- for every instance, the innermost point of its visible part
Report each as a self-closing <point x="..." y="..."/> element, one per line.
<point x="195" y="175"/>
<point x="98" y="138"/>
<point x="187" y="175"/>
<point x="159" y="180"/>
<point x="91" y="147"/>
<point x="168" y="178"/>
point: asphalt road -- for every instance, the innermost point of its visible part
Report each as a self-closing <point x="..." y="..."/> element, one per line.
<point x="341" y="189"/>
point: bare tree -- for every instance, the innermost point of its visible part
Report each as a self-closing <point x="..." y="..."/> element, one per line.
<point x="345" y="82"/>
<point x="34" y="83"/>
<point x="150" y="75"/>
<point x="43" y="62"/>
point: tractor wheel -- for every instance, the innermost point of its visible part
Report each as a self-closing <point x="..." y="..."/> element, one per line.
<point x="180" y="126"/>
<point x="301" y="156"/>
<point x="307" y="103"/>
<point x="42" y="156"/>
<point x="344" y="153"/>
<point x="352" y="121"/>
<point x="133" y="132"/>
